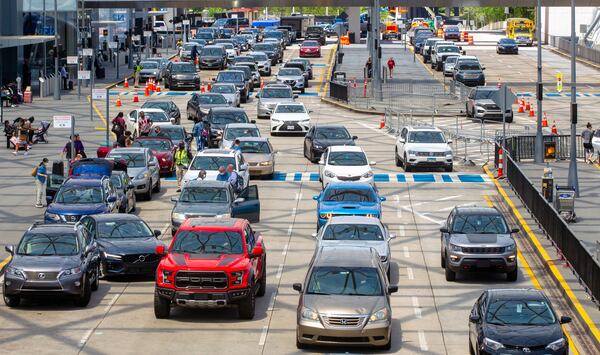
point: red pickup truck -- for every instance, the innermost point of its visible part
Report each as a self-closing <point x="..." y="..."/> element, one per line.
<point x="211" y="263"/>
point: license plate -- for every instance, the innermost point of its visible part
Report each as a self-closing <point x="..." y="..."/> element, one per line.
<point x="431" y="159"/>
<point x="290" y="127"/>
<point x="483" y="264"/>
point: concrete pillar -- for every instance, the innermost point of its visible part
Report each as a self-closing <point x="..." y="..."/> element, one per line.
<point x="354" y="21"/>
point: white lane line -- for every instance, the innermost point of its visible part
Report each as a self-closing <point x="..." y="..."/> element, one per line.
<point x="401" y="231"/>
<point x="448" y="198"/>
<point x="111" y="303"/>
<point x="293" y="212"/>
<point x="279" y="271"/>
<point x="289" y="232"/>
<point x="85" y="337"/>
<point x="285" y="249"/>
<point x="423" y="215"/>
<point x="377" y="130"/>
<point x="417" y="307"/>
<point x="423" y="341"/>
<point x="272" y="302"/>
<point x="409" y="273"/>
<point x="449" y="208"/>
<point x="1" y="279"/>
<point x="263" y="335"/>
<point x="406" y="252"/>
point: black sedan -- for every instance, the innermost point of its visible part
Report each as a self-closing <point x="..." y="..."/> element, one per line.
<point x="507" y="46"/>
<point x="169" y="107"/>
<point x="127" y="245"/>
<point x="319" y="137"/>
<point x="199" y="105"/>
<point x="516" y="321"/>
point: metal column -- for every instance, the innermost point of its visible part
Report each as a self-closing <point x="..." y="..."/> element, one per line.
<point x="375" y="28"/>
<point x="539" y="137"/>
<point x="573" y="180"/>
<point x="56" y="76"/>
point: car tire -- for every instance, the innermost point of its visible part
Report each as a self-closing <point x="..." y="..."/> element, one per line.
<point x="262" y="284"/>
<point x="397" y="159"/>
<point x="449" y="168"/>
<point x="389" y="273"/>
<point x="12" y="301"/>
<point x="162" y="307"/>
<point x="148" y="194"/>
<point x="96" y="283"/>
<point x="247" y="306"/>
<point x="407" y="167"/>
<point x="443" y="261"/>
<point x="84" y="299"/>
<point x="157" y="187"/>
<point x="300" y="345"/>
<point x="450" y="275"/>
<point x="513" y="275"/>
<point x="471" y="351"/>
<point x="387" y="346"/>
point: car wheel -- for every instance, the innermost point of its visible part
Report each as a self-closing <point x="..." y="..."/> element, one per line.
<point x="512" y="276"/>
<point x="397" y="158"/>
<point x="471" y="351"/>
<point x="449" y="168"/>
<point x="157" y="187"/>
<point x="443" y="260"/>
<point x="450" y="275"/>
<point x="407" y="166"/>
<point x="262" y="285"/>
<point x="162" y="307"/>
<point x="387" y="346"/>
<point x="247" y="306"/>
<point x="148" y="194"/>
<point x="299" y="345"/>
<point x="84" y="299"/>
<point x="96" y="283"/>
<point x="12" y="301"/>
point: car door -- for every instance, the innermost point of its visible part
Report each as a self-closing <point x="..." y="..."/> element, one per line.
<point x="244" y="173"/>
<point x="153" y="166"/>
<point x="475" y="327"/>
<point x="323" y="162"/>
<point x="401" y="143"/>
<point x="192" y="106"/>
<point x="129" y="191"/>
<point x="250" y="243"/>
<point x="247" y="204"/>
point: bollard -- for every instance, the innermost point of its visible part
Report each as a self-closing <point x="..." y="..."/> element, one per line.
<point x="500" y="164"/>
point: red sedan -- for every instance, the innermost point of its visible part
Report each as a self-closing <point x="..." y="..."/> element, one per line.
<point x="310" y="49"/>
<point x="163" y="149"/>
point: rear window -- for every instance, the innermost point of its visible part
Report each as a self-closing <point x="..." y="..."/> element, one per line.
<point x="184" y="68"/>
<point x="213" y="51"/>
<point x="230" y="77"/>
<point x="282" y="93"/>
<point x="353" y="232"/>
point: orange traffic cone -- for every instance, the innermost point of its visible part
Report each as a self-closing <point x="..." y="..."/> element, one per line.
<point x="531" y="111"/>
<point x="500" y="164"/>
<point x="158" y="86"/>
<point x="544" y="120"/>
<point x="197" y="61"/>
<point x="521" y="106"/>
<point x="528" y="106"/>
<point x="262" y="83"/>
<point x="147" y="90"/>
<point x="382" y="122"/>
<point x="151" y="85"/>
<point x="126" y="83"/>
<point x="135" y="97"/>
<point x="119" y="101"/>
<point x="554" y="129"/>
<point x="202" y="88"/>
<point x="209" y="87"/>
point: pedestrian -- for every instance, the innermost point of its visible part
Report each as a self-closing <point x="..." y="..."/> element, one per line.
<point x="587" y="136"/>
<point x="20" y="136"/>
<point x="159" y="133"/>
<point x="236" y="145"/>
<point x="31" y="130"/>
<point x="118" y="125"/>
<point x="222" y="175"/>
<point x="121" y="141"/>
<point x="182" y="159"/>
<point x="64" y="76"/>
<point x="369" y="67"/>
<point x="391" y="64"/>
<point x="136" y="74"/>
<point x="40" y="176"/>
<point x="234" y="178"/>
<point x="197" y="134"/>
<point x="194" y="54"/>
<point x="202" y="174"/>
<point x="8" y="132"/>
<point x="128" y="139"/>
<point x="27" y="130"/>
<point x="78" y="147"/>
<point x="145" y="124"/>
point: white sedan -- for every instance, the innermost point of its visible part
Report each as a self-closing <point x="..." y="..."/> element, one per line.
<point x="292" y="117"/>
<point x="157" y="116"/>
<point x="210" y="160"/>
<point x="345" y="163"/>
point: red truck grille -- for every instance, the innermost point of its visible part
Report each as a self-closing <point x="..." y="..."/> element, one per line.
<point x="201" y="280"/>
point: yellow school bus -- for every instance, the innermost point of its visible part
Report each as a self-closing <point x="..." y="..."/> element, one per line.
<point x="521" y="30"/>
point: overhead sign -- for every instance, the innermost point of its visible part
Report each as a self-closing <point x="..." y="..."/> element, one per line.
<point x="87" y="52"/>
<point x="72" y="59"/>
<point x="99" y="94"/>
<point x="113" y="45"/>
<point x="83" y="74"/>
<point x="61" y="121"/>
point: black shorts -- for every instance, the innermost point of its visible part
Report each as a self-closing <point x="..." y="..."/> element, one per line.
<point x="588" y="147"/>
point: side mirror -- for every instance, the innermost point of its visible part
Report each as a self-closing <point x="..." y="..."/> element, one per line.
<point x="449" y="141"/>
<point x="160" y="250"/>
<point x="382" y="198"/>
<point x="444" y="230"/>
<point x="10" y="249"/>
<point x="252" y="121"/>
<point x="239" y="200"/>
<point x="152" y="163"/>
<point x="157" y="233"/>
<point x="297" y="287"/>
<point x="314" y="235"/>
<point x="49" y="198"/>
<point x="316" y="197"/>
<point x="464" y="52"/>
<point x="295" y="96"/>
<point x="257" y="251"/>
<point x="392" y="288"/>
<point x="514" y="230"/>
<point x="88" y="249"/>
<point x="321" y="161"/>
<point x="482" y="68"/>
<point x="392" y="236"/>
<point x="565" y="320"/>
<point x="310" y="111"/>
<point x="111" y="199"/>
<point x="401" y="140"/>
<point x="354" y="137"/>
<point x="174" y="199"/>
<point x="474" y="318"/>
<point x="130" y="187"/>
<point x="244" y="167"/>
<point x="373" y="163"/>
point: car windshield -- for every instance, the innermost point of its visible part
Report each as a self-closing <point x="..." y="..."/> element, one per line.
<point x="255" y="147"/>
<point x="149" y="65"/>
<point x="41" y="244"/>
<point x="208" y="242"/>
<point x="157" y="116"/>
<point x="184" y="68"/>
<point x="260" y="57"/>
<point x="282" y="93"/>
<point x="124" y="229"/>
<point x="189" y="46"/>
<point x="472" y="65"/>
<point x="220" y="22"/>
<point x="519" y="312"/>
<point x="448" y="49"/>
<point x="331" y="133"/>
<point x="451" y="59"/>
<point x="165" y="106"/>
<point x="204" y="194"/>
<point x="522" y="31"/>
<point x="212" y="99"/>
<point x="240" y="60"/>
<point x="223" y="118"/>
<point x="290" y="109"/>
<point x="154" y="144"/>
<point x="133" y="160"/>
<point x="230" y="77"/>
<point x="349" y="195"/>
<point x="265" y="47"/>
<point x="507" y="41"/>
<point x="347" y="158"/>
<point x="116" y="181"/>
<point x="479" y="224"/>
<point x="334" y="280"/>
<point x="175" y="133"/>
<point x="209" y="163"/>
<point x="353" y="232"/>
<point x="224" y="89"/>
<point x="233" y="133"/>
<point x="79" y="194"/>
<point x="310" y="44"/>
<point x="484" y="94"/>
<point x="314" y="29"/>
<point x="204" y="35"/>
<point x="273" y="34"/>
<point x="198" y="41"/>
<point x="226" y="45"/>
<point x="290" y="72"/>
<point x="451" y="29"/>
<point x="426" y="137"/>
<point x="215" y="52"/>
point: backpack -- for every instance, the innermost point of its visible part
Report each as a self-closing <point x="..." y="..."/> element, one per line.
<point x="34" y="171"/>
<point x="117" y="129"/>
<point x="240" y="183"/>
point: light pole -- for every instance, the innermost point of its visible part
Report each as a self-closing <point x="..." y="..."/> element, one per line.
<point x="539" y="137"/>
<point x="56" y="77"/>
<point x="573" y="180"/>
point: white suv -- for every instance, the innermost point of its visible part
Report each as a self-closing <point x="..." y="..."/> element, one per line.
<point x="345" y="163"/>
<point x="210" y="160"/>
<point x="423" y="146"/>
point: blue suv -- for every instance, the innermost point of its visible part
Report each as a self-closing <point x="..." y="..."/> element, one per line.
<point x="347" y="199"/>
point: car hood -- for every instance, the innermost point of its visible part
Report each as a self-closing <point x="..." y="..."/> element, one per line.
<point x="201" y="209"/>
<point x="133" y="172"/>
<point x="523" y="335"/>
<point x="122" y="246"/>
<point x="257" y="157"/>
<point x="343" y="304"/>
<point x="149" y="71"/>
<point x="289" y="77"/>
<point x="349" y="207"/>
<point x="428" y="147"/>
<point x="45" y="263"/>
<point x="381" y="246"/>
<point x="479" y="72"/>
<point x="160" y="154"/>
<point x="76" y="208"/>
<point x="478" y="239"/>
<point x="485" y="102"/>
<point x="329" y="142"/>
<point x="206" y="261"/>
<point x="275" y="100"/>
<point x="340" y="170"/>
<point x="290" y="117"/>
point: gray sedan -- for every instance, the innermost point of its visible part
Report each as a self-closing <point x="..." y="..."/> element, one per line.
<point x="230" y="92"/>
<point x="259" y="155"/>
<point x="142" y="168"/>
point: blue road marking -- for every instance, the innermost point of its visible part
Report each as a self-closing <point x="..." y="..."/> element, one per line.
<point x="446" y="178"/>
<point x="381" y="178"/>
<point x="470" y="178"/>
<point x="401" y="177"/>
<point x="424" y="178"/>
<point x="314" y="177"/>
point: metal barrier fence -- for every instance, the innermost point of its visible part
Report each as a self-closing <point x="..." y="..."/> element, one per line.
<point x="578" y="257"/>
<point x="338" y="90"/>
<point x="522" y="147"/>
<point x="47" y="85"/>
<point x="564" y="45"/>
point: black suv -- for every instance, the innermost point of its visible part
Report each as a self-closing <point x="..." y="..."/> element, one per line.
<point x="213" y="57"/>
<point x="316" y="32"/>
<point x="238" y="78"/>
<point x="270" y="49"/>
<point x="181" y="75"/>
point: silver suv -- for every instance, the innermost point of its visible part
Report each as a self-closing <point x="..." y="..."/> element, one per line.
<point x="345" y="299"/>
<point x="142" y="167"/>
<point x="478" y="238"/>
<point x="270" y="96"/>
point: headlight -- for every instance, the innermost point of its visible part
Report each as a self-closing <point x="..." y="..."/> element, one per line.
<point x="18" y="273"/>
<point x="448" y="152"/>
<point x="367" y="175"/>
<point x="179" y="217"/>
<point x="411" y="152"/>
<point x="266" y="163"/>
<point x="111" y="256"/>
<point x="325" y="215"/>
<point x="379" y="316"/>
<point x="52" y="216"/>
<point x="375" y="215"/>
<point x="309" y="314"/>
<point x="557" y="345"/>
<point x="511" y="247"/>
<point x="318" y="146"/>
<point x="166" y="276"/>
<point x="163" y="160"/>
<point x="69" y="272"/>
<point x="455" y="248"/>
<point x="143" y="175"/>
<point x="491" y="344"/>
<point x="154" y="73"/>
<point x="237" y="277"/>
<point x="329" y="174"/>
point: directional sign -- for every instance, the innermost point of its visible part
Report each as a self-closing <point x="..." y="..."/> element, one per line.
<point x="504" y="97"/>
<point x="61" y="121"/>
<point x="99" y="94"/>
<point x="113" y="45"/>
<point x="83" y="74"/>
<point x="72" y="59"/>
<point x="88" y="52"/>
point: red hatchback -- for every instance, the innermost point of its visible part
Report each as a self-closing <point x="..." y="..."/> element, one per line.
<point x="310" y="49"/>
<point x="163" y="149"/>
